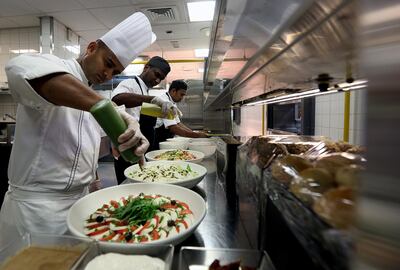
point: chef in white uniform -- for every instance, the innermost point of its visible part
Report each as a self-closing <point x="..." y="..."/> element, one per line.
<point x="167" y="128"/>
<point x="56" y="146"/>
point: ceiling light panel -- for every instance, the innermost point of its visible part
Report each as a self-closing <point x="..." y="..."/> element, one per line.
<point x="201" y="11"/>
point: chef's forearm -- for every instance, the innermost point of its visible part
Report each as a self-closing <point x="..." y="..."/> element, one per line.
<point x="65" y="90"/>
<point x="184" y="127"/>
<point x="131" y="100"/>
<point x="178" y="130"/>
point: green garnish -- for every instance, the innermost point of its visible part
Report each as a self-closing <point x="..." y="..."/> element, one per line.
<point x="188" y="168"/>
<point x="137" y="211"/>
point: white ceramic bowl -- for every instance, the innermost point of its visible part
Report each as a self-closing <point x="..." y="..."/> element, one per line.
<point x="179" y="139"/>
<point x="80" y="210"/>
<point x="188" y="183"/>
<point x="150" y="156"/>
<point x="207" y="148"/>
<point x="211" y="140"/>
<point x="174" y="145"/>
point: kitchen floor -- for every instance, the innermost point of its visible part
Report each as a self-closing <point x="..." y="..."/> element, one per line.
<point x="107" y="174"/>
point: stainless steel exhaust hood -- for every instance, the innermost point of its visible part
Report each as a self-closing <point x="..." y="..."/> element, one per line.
<point x="290" y="45"/>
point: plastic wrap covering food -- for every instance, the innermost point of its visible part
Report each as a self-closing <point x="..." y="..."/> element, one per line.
<point x="327" y="248"/>
<point x="315" y="195"/>
<point x="288" y="167"/>
<point x="327" y="146"/>
<point x="315" y="181"/>
<point x="252" y="157"/>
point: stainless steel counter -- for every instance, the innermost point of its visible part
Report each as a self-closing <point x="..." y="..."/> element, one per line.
<point x="223" y="225"/>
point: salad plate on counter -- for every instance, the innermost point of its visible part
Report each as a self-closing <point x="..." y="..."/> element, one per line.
<point x="179" y="173"/>
<point x="137" y="217"/>
<point x="175" y="154"/>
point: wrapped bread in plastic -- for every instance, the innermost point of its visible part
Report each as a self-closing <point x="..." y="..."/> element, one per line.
<point x="311" y="184"/>
<point x="336" y="207"/>
<point x="332" y="162"/>
<point x="357" y="150"/>
<point x="331" y="146"/>
<point x="288" y="167"/>
<point x="349" y="175"/>
<point x="343" y="146"/>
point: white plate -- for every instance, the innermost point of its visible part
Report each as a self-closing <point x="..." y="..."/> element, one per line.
<point x="151" y="155"/>
<point x="80" y="210"/>
<point x="207" y="148"/>
<point x="188" y="183"/>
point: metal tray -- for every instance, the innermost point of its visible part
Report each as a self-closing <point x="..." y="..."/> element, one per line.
<point x="82" y="245"/>
<point x="163" y="252"/>
<point x="200" y="258"/>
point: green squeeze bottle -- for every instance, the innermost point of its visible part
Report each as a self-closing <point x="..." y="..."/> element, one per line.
<point x="113" y="125"/>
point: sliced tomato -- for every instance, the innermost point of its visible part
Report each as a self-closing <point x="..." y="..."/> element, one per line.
<point x="121" y="237"/>
<point x="97" y="232"/>
<point x="177" y="229"/>
<point x="157" y="218"/>
<point x="143" y="239"/>
<point x="108" y="237"/>
<point x="114" y="203"/>
<point x="97" y="225"/>
<point x="148" y="197"/>
<point x="168" y="206"/>
<point x="146" y="225"/>
<point x="183" y="222"/>
<point x="155" y="235"/>
<point x="183" y="204"/>
<point x="120" y="223"/>
<point x="121" y="231"/>
<point x="186" y="212"/>
<point x="124" y="201"/>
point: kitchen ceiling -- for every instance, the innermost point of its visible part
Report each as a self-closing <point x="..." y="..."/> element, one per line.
<point x="90" y="19"/>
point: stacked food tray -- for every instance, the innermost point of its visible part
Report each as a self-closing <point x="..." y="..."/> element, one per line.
<point x="76" y="253"/>
<point x="304" y="192"/>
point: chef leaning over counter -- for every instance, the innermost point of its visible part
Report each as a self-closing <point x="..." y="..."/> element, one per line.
<point x="55" y="152"/>
<point x="166" y="128"/>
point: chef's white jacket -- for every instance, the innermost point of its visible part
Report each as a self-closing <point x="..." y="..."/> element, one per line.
<point x="164" y="121"/>
<point x="130" y="86"/>
<point x="55" y="152"/>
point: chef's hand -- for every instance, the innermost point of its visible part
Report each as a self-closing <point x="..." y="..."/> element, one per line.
<point x="132" y="137"/>
<point x="202" y="134"/>
<point x="166" y="105"/>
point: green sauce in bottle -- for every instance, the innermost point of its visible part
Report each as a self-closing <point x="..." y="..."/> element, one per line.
<point x="113" y="125"/>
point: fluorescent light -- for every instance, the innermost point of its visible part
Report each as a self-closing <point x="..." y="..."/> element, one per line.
<point x="201" y="11"/>
<point x="74" y="49"/>
<point x="201" y="52"/>
<point x="310" y="93"/>
<point x="24" y="51"/>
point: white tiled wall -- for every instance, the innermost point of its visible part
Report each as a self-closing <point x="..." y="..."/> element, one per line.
<point x="329" y="116"/>
<point x="61" y="41"/>
<point x="250" y="121"/>
<point x="29" y="38"/>
<point x="14" y="39"/>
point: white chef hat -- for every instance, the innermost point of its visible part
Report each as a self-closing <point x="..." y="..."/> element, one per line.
<point x="129" y="38"/>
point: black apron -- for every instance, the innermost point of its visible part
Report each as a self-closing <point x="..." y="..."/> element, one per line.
<point x="162" y="133"/>
<point x="147" y="124"/>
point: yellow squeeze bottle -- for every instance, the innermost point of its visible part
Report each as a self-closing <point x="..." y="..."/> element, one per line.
<point x="155" y="111"/>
